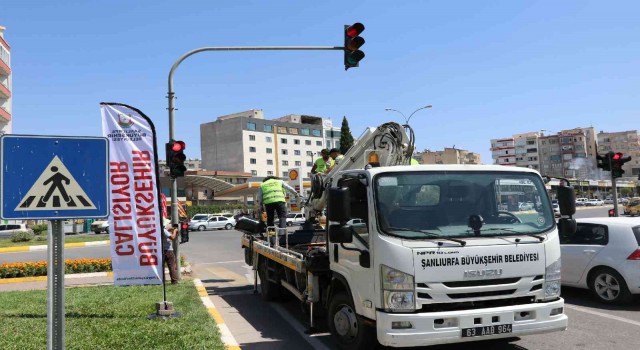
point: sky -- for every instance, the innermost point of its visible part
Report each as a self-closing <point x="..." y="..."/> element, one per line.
<point x="489" y="68"/>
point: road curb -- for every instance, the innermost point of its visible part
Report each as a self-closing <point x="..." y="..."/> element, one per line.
<point x="228" y="340"/>
<point x="44" y="278"/>
<point x="34" y="248"/>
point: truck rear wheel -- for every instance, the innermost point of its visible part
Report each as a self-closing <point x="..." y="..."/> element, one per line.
<point x="270" y="290"/>
<point x="348" y="328"/>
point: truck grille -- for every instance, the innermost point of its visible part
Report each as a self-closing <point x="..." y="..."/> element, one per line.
<point x="471" y="305"/>
<point x="493" y="282"/>
<point x="492" y="293"/>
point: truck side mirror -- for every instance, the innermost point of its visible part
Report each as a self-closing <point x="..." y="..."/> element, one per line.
<point x="340" y="234"/>
<point x="339" y="204"/>
<point x="567" y="227"/>
<point x="567" y="200"/>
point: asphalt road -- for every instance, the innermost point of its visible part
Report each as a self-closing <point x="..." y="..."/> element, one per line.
<point x="219" y="262"/>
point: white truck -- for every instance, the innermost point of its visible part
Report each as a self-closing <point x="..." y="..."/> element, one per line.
<point x="420" y="255"/>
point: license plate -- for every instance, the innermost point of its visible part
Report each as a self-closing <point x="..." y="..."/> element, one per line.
<point x="486" y="330"/>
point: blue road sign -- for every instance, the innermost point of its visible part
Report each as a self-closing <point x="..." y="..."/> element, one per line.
<point x="54" y="177"/>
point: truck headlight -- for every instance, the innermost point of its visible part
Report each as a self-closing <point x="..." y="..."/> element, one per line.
<point x="552" y="280"/>
<point x="398" y="290"/>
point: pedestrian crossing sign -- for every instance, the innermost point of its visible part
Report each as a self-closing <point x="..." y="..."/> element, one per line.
<point x="54" y="177"/>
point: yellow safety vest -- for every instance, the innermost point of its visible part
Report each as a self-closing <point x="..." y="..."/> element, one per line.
<point x="321" y="165"/>
<point x="272" y="191"/>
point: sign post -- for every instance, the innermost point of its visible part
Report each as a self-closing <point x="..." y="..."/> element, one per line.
<point x="54" y="178"/>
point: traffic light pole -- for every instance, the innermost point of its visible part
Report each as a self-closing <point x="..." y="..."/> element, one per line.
<point x="615" y="195"/>
<point x="171" y="97"/>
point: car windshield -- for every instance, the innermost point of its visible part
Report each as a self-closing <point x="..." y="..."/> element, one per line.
<point x="291" y="215"/>
<point x="442" y="204"/>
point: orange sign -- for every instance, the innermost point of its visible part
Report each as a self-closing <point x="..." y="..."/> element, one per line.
<point x="293" y="174"/>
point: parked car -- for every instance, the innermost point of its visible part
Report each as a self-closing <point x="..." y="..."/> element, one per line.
<point x="215" y="222"/>
<point x="632" y="207"/>
<point x="623" y="200"/>
<point x="355" y="222"/>
<point x="604" y="257"/>
<point x="6" y="230"/>
<point x="608" y="201"/>
<point x="594" y="202"/>
<point x="295" y="219"/>
<point x="100" y="226"/>
<point x="556" y="209"/>
<point x="581" y="201"/>
<point x="201" y="217"/>
<point x="525" y="206"/>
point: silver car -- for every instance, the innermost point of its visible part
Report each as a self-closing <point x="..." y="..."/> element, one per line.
<point x="214" y="222"/>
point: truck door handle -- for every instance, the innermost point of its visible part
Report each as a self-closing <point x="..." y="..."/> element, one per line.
<point x="590" y="251"/>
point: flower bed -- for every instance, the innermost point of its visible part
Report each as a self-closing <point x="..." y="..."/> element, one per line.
<point x="30" y="269"/>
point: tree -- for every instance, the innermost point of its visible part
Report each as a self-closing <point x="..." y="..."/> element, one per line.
<point x="346" y="139"/>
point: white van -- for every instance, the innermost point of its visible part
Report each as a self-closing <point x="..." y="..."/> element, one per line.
<point x="6" y="230"/>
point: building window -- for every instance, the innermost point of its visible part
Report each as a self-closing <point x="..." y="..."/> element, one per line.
<point x="309" y="153"/>
<point x="309" y="163"/>
<point x="282" y="130"/>
<point x="254" y="172"/>
<point x="307" y="142"/>
<point x="269" y="150"/>
<point x="285" y="162"/>
<point x="268" y="139"/>
<point x="293" y="131"/>
<point x="298" y="163"/>
<point x="296" y="152"/>
<point x="296" y="141"/>
<point x="268" y="128"/>
<point x="269" y="161"/>
<point x="316" y="132"/>
<point x="328" y="143"/>
<point x="251" y="126"/>
<point x="285" y="152"/>
<point x="252" y="149"/>
<point x="252" y="161"/>
<point x="285" y="174"/>
<point x="319" y="143"/>
<point x="283" y="140"/>
<point x="270" y="173"/>
<point x="252" y="137"/>
<point x="304" y="131"/>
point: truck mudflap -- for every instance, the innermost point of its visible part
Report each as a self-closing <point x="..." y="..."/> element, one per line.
<point x="420" y="329"/>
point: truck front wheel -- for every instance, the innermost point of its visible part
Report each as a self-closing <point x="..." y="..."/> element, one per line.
<point x="270" y="290"/>
<point x="347" y="327"/>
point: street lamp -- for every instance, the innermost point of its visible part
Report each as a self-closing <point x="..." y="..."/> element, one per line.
<point x="406" y="120"/>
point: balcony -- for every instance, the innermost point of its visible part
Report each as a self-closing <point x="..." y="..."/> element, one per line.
<point x="4" y="68"/>
<point x="4" y="91"/>
<point x="4" y="114"/>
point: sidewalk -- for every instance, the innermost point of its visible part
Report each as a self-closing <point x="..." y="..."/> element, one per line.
<point x="33" y="248"/>
<point x="70" y="280"/>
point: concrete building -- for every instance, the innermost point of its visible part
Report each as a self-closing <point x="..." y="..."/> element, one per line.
<point x="526" y="149"/>
<point x="448" y="156"/>
<point x="569" y="153"/>
<point x="246" y="142"/>
<point x="190" y="164"/>
<point x="626" y="142"/>
<point x="503" y="151"/>
<point x="5" y="84"/>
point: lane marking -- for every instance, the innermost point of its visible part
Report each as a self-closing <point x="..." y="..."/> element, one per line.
<point x="228" y="340"/>
<point x="602" y="314"/>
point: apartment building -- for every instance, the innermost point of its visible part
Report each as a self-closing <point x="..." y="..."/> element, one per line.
<point x="569" y="153"/>
<point x="526" y="149"/>
<point x="5" y="84"/>
<point x="448" y="156"/>
<point x="246" y="142"/>
<point x="190" y="164"/>
<point x="626" y="142"/>
<point x="503" y="151"/>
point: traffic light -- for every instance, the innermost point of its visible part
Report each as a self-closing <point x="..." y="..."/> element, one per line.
<point x="603" y="162"/>
<point x="617" y="161"/>
<point x="176" y="158"/>
<point x="352" y="43"/>
<point x="184" y="232"/>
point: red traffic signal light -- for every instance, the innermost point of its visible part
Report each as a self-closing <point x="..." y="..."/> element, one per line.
<point x="176" y="158"/>
<point x="178" y="146"/>
<point x="185" y="226"/>
<point x="612" y="213"/>
<point x="352" y="43"/>
<point x="617" y="156"/>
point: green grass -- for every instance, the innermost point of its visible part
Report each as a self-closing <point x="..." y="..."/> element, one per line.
<point x="109" y="317"/>
<point x="6" y="242"/>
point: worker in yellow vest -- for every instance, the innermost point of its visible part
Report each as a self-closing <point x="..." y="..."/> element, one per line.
<point x="271" y="197"/>
<point x="324" y="164"/>
<point x="414" y="162"/>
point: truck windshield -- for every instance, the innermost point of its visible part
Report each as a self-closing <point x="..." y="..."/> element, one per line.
<point x="441" y="203"/>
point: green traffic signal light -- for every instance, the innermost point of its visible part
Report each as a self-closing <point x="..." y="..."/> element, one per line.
<point x="352" y="43"/>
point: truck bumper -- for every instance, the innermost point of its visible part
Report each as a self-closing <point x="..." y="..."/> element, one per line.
<point x="446" y="327"/>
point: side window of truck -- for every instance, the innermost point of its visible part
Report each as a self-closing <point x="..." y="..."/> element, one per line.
<point x="359" y="208"/>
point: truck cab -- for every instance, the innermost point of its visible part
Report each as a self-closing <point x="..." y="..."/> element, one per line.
<point x="430" y="255"/>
